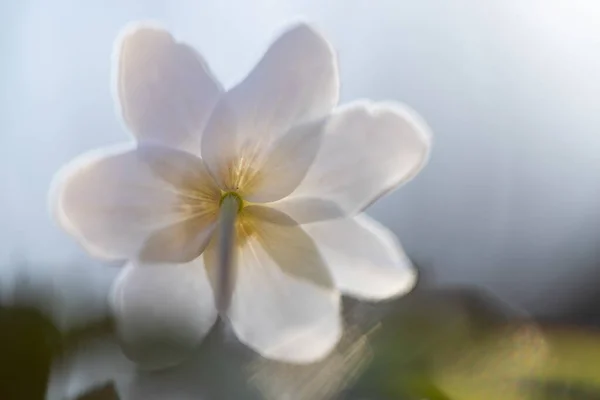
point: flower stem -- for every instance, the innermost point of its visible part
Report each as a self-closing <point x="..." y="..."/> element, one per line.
<point x="230" y="206"/>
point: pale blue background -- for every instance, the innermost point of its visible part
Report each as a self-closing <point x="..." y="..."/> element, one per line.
<point x="510" y="200"/>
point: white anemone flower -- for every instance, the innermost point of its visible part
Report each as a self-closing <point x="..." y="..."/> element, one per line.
<point x="243" y="202"/>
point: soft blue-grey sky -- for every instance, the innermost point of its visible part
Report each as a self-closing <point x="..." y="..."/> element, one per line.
<point x="510" y="200"/>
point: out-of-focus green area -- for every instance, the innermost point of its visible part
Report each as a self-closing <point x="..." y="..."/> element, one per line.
<point x="470" y="350"/>
<point x="30" y="344"/>
<point x="435" y="345"/>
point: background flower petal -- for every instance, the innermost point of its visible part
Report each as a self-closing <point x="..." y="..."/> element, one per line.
<point x="364" y="257"/>
<point x="162" y="311"/>
<point x="295" y="82"/>
<point x="367" y="150"/>
<point x="112" y="200"/>
<point x="165" y="89"/>
<point x="278" y="314"/>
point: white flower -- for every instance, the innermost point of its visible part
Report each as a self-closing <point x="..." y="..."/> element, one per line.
<point x="296" y="171"/>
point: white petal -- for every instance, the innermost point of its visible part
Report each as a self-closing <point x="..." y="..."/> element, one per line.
<point x="364" y="257"/>
<point x="288" y="245"/>
<point x="285" y="164"/>
<point x="295" y="82"/>
<point x="162" y="311"/>
<point x="113" y="200"/>
<point x="164" y="87"/>
<point x="305" y="210"/>
<point x="367" y="150"/>
<point x="282" y="315"/>
<point x="180" y="242"/>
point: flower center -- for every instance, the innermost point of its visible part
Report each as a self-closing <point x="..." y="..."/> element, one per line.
<point x="234" y="198"/>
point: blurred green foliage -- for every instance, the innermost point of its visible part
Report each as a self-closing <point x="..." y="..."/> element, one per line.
<point x="464" y="346"/>
<point x="28" y="344"/>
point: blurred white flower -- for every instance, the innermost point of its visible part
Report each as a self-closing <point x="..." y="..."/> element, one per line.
<point x="293" y="172"/>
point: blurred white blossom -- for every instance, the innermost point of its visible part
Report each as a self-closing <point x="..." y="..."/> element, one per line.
<point x="298" y="170"/>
